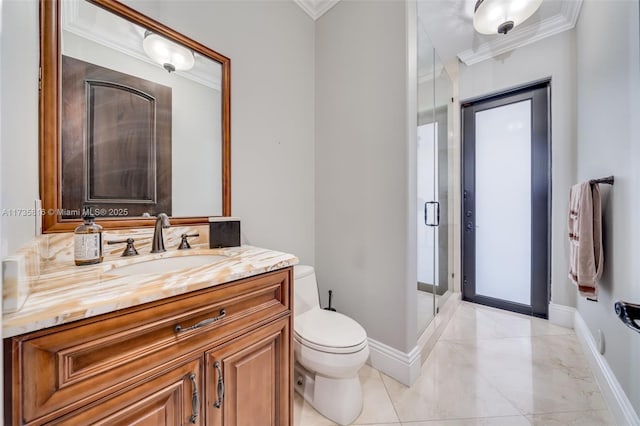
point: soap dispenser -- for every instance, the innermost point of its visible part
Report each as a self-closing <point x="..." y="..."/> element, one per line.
<point x="87" y="241"/>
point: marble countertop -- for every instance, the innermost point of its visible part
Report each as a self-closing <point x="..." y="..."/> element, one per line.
<point x="65" y="292"/>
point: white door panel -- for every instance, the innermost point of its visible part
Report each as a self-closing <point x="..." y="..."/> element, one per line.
<point x="503" y="202"/>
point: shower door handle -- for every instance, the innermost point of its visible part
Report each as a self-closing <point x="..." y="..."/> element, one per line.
<point x="434" y="207"/>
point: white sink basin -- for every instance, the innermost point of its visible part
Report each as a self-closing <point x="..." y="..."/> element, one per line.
<point x="167" y="264"/>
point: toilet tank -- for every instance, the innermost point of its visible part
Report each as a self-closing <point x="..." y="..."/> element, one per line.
<point x="305" y="289"/>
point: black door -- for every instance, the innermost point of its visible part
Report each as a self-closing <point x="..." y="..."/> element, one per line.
<point x="505" y="227"/>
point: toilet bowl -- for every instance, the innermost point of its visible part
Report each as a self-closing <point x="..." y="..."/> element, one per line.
<point x="330" y="348"/>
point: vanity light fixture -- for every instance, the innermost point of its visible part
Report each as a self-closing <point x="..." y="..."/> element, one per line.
<point x="169" y="54"/>
<point x="501" y="16"/>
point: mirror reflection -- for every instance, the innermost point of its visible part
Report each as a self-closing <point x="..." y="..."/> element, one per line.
<point x="141" y="119"/>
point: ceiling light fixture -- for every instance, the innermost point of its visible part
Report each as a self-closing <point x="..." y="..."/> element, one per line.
<point x="501" y="16"/>
<point x="172" y="56"/>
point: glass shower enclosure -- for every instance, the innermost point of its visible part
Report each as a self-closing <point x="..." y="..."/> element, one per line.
<point x="434" y="185"/>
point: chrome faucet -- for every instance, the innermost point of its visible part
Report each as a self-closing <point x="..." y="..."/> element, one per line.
<point x="162" y="221"/>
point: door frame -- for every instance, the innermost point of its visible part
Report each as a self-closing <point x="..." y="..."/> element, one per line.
<point x="540" y="94"/>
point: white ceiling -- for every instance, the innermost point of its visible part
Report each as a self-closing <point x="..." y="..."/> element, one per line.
<point x="448" y="26"/>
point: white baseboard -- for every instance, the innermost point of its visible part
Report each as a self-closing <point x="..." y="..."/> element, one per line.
<point x="561" y="315"/>
<point x="404" y="367"/>
<point x="616" y="398"/>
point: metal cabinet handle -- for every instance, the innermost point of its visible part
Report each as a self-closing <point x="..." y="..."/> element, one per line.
<point x="218" y="402"/>
<point x="195" y="403"/>
<point x="178" y="328"/>
<point x="628" y="313"/>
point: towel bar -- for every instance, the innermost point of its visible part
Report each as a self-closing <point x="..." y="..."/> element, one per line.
<point x="608" y="180"/>
<point x="628" y="314"/>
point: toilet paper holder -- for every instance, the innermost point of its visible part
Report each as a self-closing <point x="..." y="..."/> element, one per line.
<point x="330" y="308"/>
<point x="628" y="313"/>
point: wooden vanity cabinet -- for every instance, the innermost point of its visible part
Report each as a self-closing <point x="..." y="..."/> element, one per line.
<point x="218" y="356"/>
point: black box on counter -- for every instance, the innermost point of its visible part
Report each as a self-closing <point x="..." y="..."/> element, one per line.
<point x="224" y="232"/>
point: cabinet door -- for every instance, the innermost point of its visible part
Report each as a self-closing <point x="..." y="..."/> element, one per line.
<point x="174" y="398"/>
<point x="248" y="379"/>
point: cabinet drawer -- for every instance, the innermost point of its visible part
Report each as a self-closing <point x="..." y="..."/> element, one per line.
<point x="73" y="365"/>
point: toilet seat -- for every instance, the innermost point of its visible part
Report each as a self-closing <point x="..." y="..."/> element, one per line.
<point x="329" y="332"/>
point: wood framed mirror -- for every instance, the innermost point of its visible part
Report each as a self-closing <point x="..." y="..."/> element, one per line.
<point x="122" y="132"/>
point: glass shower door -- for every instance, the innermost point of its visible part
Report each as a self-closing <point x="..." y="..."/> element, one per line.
<point x="428" y="206"/>
<point x="427" y="219"/>
<point x="433" y="160"/>
<point x="426" y="181"/>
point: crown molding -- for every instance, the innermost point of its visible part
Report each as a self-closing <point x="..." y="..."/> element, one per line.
<point x="316" y="8"/>
<point x="525" y="34"/>
<point x="570" y="9"/>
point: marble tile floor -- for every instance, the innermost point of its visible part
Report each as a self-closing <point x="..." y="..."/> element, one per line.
<point x="489" y="368"/>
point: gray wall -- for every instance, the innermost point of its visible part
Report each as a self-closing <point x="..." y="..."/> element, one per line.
<point x="608" y="135"/>
<point x="271" y="46"/>
<point x="552" y="57"/>
<point x="363" y="171"/>
<point x="19" y="115"/>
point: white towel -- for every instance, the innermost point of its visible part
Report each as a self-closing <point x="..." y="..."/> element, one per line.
<point x="585" y="238"/>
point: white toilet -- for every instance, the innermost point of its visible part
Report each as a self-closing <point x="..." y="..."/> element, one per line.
<point x="329" y="350"/>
